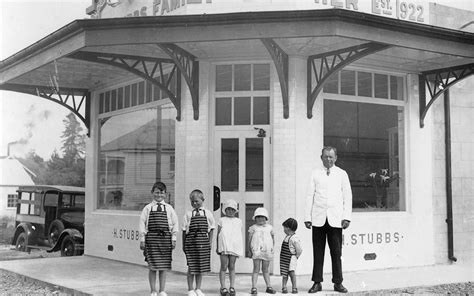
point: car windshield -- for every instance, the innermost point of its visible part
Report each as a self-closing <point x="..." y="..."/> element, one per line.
<point x="72" y="200"/>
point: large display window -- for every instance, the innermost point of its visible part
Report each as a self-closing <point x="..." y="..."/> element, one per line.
<point x="136" y="149"/>
<point x="364" y="118"/>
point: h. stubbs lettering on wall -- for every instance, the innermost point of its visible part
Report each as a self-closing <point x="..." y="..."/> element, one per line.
<point x="372" y="238"/>
<point x="127" y="234"/>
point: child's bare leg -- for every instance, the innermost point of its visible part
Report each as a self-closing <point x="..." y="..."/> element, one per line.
<point x="198" y="280"/>
<point x="284" y="281"/>
<point x="152" y="280"/>
<point x="256" y="270"/>
<point x="190" y="278"/>
<point x="162" y="278"/>
<point x="266" y="274"/>
<point x="232" y="260"/>
<point x="293" y="279"/>
<point x="224" y="263"/>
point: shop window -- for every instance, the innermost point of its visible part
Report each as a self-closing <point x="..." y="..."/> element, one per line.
<point x="381" y="86"/>
<point x="364" y="84"/>
<point x="247" y="94"/>
<point x="136" y="149"/>
<point x="11" y="200"/>
<point x="347" y="82"/>
<point x="369" y="138"/>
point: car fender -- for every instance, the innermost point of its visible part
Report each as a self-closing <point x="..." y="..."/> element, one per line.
<point x="23" y="227"/>
<point x="74" y="233"/>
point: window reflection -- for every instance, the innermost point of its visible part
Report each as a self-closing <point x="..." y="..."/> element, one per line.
<point x="254" y="164"/>
<point x="136" y="150"/>
<point x="369" y="139"/>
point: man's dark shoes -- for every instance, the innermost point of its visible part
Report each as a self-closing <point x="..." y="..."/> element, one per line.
<point x="315" y="288"/>
<point x="340" y="288"/>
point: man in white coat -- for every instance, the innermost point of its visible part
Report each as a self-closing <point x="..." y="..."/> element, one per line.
<point x="328" y="212"/>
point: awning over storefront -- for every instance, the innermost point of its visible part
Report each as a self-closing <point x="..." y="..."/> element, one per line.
<point x="87" y="55"/>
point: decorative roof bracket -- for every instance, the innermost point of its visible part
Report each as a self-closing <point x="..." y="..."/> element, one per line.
<point x="280" y="59"/>
<point x="189" y="68"/>
<point x="438" y="81"/>
<point x="325" y="64"/>
<point x="144" y="67"/>
<point x="77" y="100"/>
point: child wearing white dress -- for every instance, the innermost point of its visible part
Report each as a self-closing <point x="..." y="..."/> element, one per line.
<point x="261" y="243"/>
<point x="290" y="252"/>
<point x="229" y="244"/>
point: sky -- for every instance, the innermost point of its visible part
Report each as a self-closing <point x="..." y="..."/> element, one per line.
<point x="35" y="123"/>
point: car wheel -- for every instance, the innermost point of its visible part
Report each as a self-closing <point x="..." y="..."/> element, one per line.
<point x="22" y="242"/>
<point x="68" y="246"/>
<point x="54" y="232"/>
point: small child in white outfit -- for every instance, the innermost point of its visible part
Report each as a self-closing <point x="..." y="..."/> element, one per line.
<point x="290" y="252"/>
<point x="229" y="244"/>
<point x="261" y="243"/>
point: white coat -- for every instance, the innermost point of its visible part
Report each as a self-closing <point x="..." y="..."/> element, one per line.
<point x="329" y="196"/>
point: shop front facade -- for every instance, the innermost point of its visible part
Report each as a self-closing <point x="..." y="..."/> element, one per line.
<point x="238" y="100"/>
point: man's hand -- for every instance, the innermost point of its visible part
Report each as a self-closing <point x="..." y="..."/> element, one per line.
<point x="345" y="224"/>
<point x="142" y="246"/>
<point x="308" y="224"/>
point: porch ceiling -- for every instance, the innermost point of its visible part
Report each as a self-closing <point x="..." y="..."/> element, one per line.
<point x="298" y="33"/>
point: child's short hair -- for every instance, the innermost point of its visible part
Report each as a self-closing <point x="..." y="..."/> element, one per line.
<point x="198" y="193"/>
<point x="160" y="185"/>
<point x="291" y="224"/>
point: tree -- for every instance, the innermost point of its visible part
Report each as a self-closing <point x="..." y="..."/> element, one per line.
<point x="73" y="147"/>
<point x="70" y="168"/>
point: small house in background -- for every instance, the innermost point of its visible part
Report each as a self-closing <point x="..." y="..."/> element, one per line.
<point x="12" y="175"/>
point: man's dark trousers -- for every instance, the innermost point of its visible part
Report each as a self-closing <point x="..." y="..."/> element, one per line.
<point x="334" y="238"/>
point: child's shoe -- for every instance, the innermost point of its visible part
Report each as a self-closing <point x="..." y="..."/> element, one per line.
<point x="154" y="293"/>
<point x="270" y="290"/>
<point x="224" y="292"/>
<point x="162" y="293"/>
<point x="284" y="290"/>
<point x="199" y="292"/>
<point x="253" y="291"/>
<point x="294" y="291"/>
<point x="231" y="291"/>
<point x="192" y="293"/>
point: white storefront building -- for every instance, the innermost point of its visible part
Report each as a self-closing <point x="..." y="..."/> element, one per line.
<point x="237" y="98"/>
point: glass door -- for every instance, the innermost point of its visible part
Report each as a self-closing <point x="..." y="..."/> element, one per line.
<point x="242" y="172"/>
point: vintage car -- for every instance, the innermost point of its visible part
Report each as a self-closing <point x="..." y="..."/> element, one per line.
<point x="50" y="217"/>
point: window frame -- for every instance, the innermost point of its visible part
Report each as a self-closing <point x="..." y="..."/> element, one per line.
<point x="403" y="153"/>
<point x="15" y="201"/>
<point x="235" y="94"/>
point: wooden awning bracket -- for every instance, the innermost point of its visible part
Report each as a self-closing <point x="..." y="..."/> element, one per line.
<point x="280" y="60"/>
<point x="323" y="65"/>
<point x="77" y="100"/>
<point x="438" y="81"/>
<point x="145" y="67"/>
<point x="189" y="68"/>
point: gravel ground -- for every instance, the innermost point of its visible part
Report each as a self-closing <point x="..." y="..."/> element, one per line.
<point x="447" y="289"/>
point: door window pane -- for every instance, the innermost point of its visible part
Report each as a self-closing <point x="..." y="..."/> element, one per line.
<point x="230" y="164"/>
<point x="364" y="84"/>
<point x="348" y="82"/>
<point x="396" y="88"/>
<point x="261" y="110"/>
<point x="261" y="77"/>
<point x="249" y="210"/>
<point x="381" y="86"/>
<point x="254" y="164"/>
<point x="369" y="139"/>
<point x="223" y="77"/>
<point x="223" y="111"/>
<point x="242" y="111"/>
<point x="242" y="77"/>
